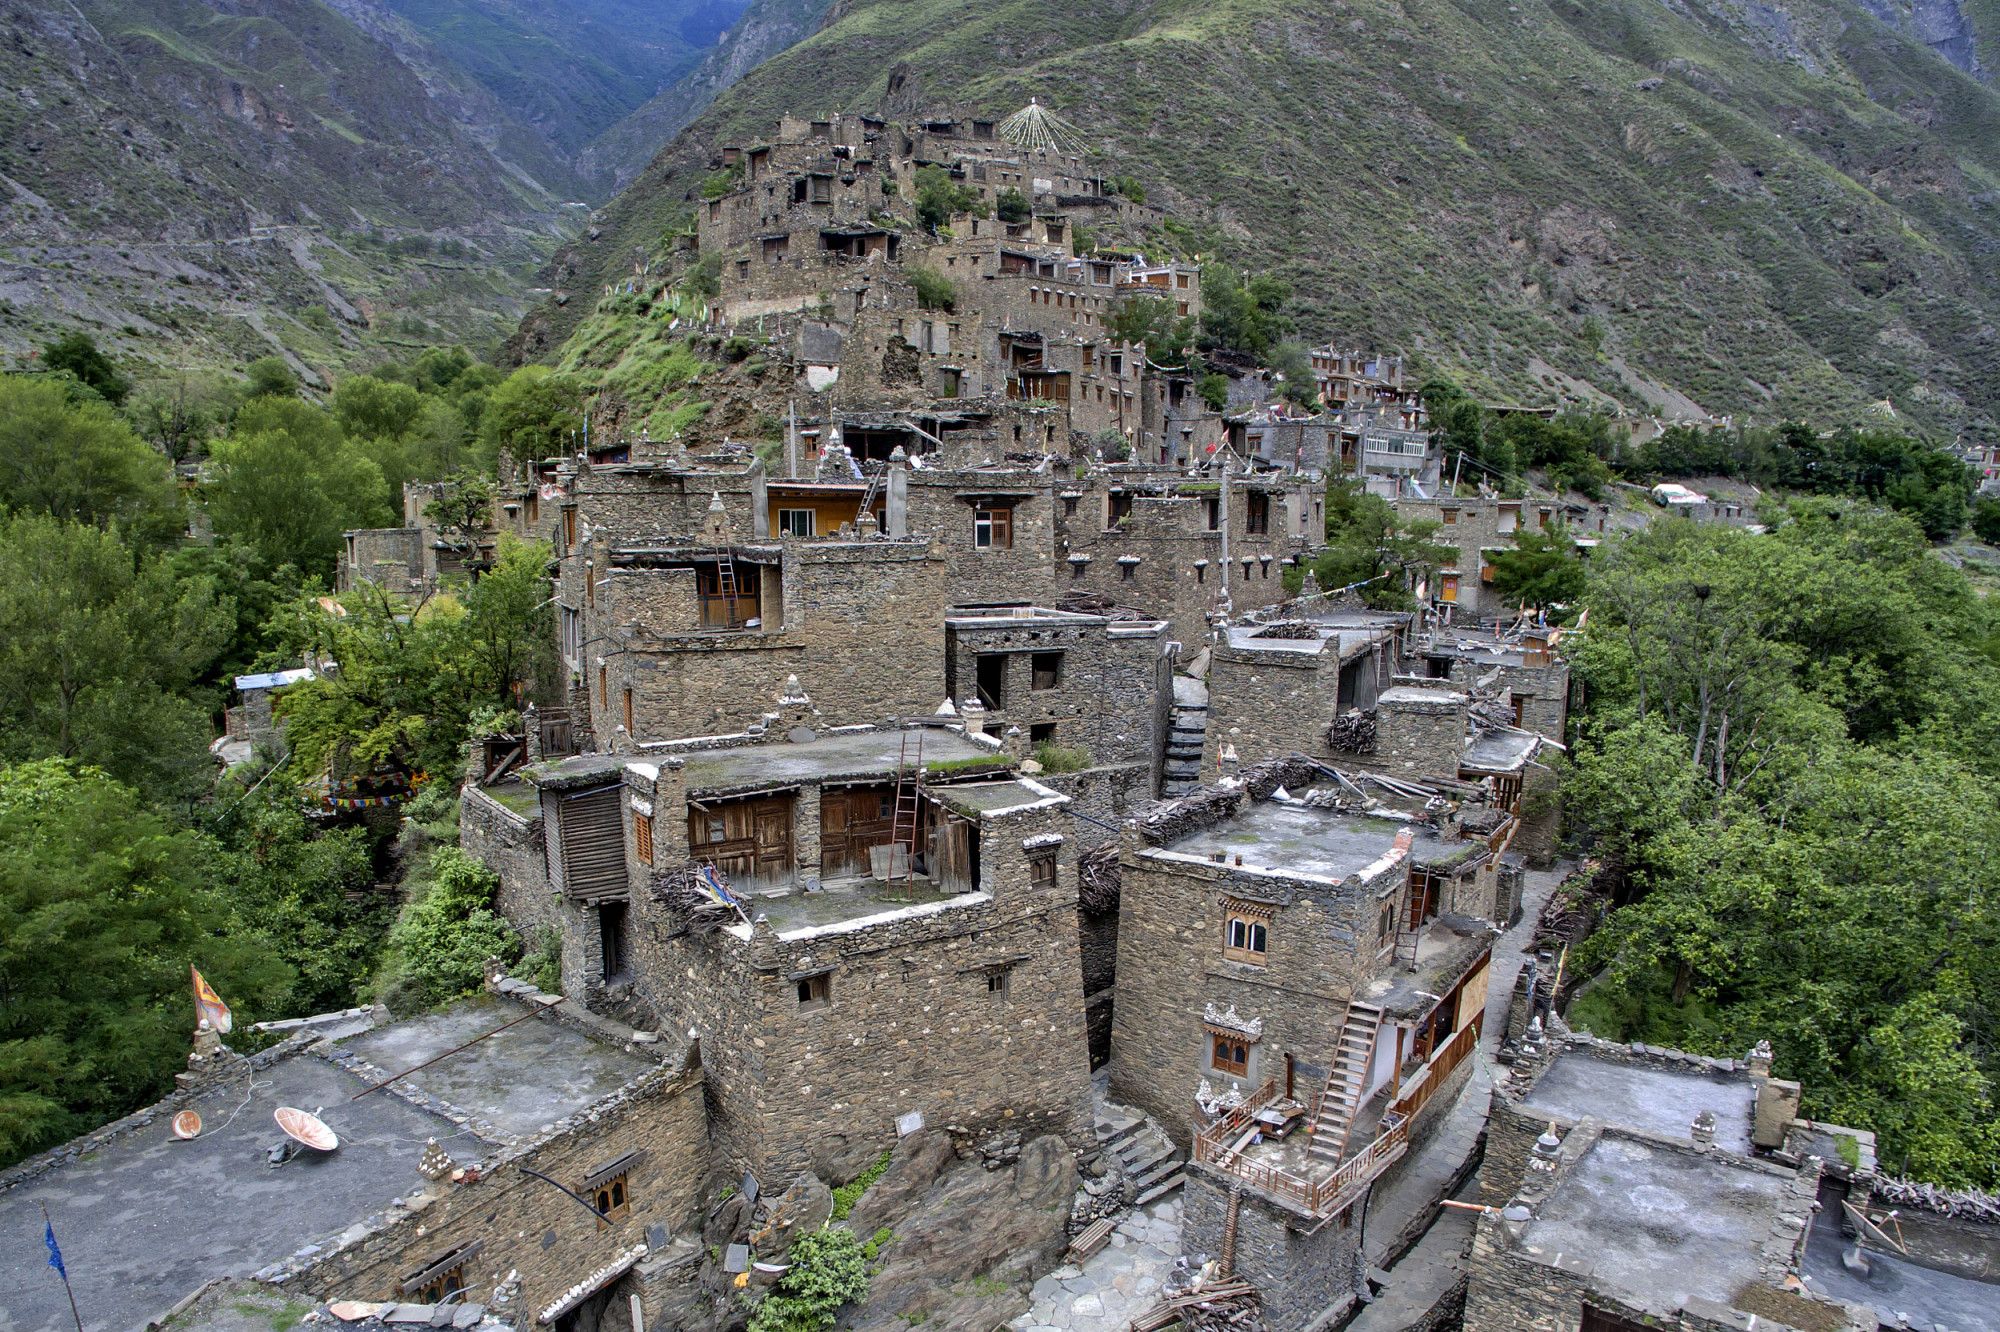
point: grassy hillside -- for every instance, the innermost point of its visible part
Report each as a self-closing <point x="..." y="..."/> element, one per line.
<point x="1767" y="209"/>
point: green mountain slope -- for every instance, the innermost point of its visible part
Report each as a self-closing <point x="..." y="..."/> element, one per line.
<point x="1767" y="208"/>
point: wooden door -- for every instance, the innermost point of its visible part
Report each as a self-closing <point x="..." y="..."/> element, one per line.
<point x="749" y="841"/>
<point x="851" y="820"/>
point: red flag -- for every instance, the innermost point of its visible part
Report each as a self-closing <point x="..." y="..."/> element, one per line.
<point x="208" y="1006"/>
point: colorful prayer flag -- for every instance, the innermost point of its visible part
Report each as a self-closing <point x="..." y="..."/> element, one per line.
<point x="55" y="1253"/>
<point x="717" y="889"/>
<point x="209" y="1008"/>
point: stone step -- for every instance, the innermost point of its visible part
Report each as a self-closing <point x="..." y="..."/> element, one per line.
<point x="1149" y="1159"/>
<point x="1113" y="1131"/>
<point x="1160" y="1190"/>
<point x="1165" y="1169"/>
<point x="1195" y="733"/>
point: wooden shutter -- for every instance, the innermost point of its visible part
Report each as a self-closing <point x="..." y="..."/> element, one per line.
<point x="592" y="834"/>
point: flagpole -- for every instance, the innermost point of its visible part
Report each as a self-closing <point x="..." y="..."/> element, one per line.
<point x="50" y="1227"/>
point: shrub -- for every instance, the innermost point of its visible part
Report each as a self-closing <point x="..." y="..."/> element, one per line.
<point x="850" y="1193"/>
<point x="1214" y="390"/>
<point x="1011" y="205"/>
<point x="439" y="945"/>
<point x="1986" y="520"/>
<point x="719" y="183"/>
<point x="934" y="290"/>
<point x="939" y="199"/>
<point x="829" y="1269"/>
<point x="1061" y="758"/>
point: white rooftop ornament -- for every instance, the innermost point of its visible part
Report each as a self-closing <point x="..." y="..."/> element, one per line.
<point x="1041" y="130"/>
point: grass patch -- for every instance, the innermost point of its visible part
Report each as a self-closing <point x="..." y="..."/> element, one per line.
<point x="850" y="1193"/>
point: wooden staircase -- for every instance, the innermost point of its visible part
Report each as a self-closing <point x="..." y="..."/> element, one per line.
<point x="727" y="587"/>
<point x="1333" y="1113"/>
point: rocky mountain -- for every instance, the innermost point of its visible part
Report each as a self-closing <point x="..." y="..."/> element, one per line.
<point x="202" y="181"/>
<point x="1763" y="207"/>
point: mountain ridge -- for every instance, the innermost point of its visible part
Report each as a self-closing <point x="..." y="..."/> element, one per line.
<point x="1752" y="209"/>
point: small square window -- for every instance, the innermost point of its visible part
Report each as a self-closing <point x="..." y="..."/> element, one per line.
<point x="1042" y="870"/>
<point x="613" y="1198"/>
<point x="1042" y="733"/>
<point x="1047" y="670"/>
<point x="993" y="529"/>
<point x="996" y="981"/>
<point x="1246" y="939"/>
<point x="816" y="991"/>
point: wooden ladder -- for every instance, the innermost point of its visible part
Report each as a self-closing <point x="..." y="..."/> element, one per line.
<point x="726" y="586"/>
<point x="875" y="483"/>
<point x="909" y="779"/>
<point x="1340" y="1099"/>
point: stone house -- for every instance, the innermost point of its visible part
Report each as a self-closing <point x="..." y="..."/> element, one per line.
<point x="427" y="1198"/>
<point x="904" y="946"/>
<point x="1300" y="990"/>
<point x="1276" y="688"/>
<point x="1478" y="525"/>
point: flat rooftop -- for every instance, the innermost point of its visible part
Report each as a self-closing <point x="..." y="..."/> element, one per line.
<point x="1664" y="1225"/>
<point x="848" y="903"/>
<point x="144" y="1219"/>
<point x="520" y="1080"/>
<point x="1655" y="1100"/>
<point x="1896" y="1286"/>
<point x="1299" y="839"/>
<point x="1499" y="751"/>
<point x="856" y="754"/>
<point x="995" y="797"/>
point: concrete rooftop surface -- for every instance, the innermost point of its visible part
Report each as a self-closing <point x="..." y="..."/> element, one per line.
<point x="1664" y="1225"/>
<point x="1896" y="1286"/>
<point x="145" y="1219"/>
<point x="1664" y="1101"/>
<point x="1298" y="839"/>
<point x="521" y="1080"/>
<point x="786" y="764"/>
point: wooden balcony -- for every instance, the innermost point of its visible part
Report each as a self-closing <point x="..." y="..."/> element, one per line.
<point x="1318" y="1193"/>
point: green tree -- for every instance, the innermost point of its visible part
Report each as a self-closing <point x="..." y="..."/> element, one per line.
<point x="939" y="199"/>
<point x="371" y="408"/>
<point x="101" y="653"/>
<point x="1986" y="519"/>
<point x="178" y="416"/>
<point x="81" y="462"/>
<point x="829" y="1270"/>
<point x="1010" y="205"/>
<point x="1150" y="322"/>
<point x="510" y="626"/>
<point x="269" y="377"/>
<point x="1542" y="569"/>
<point x="286" y="484"/>
<point x="103" y="907"/>
<point x="1294" y="365"/>
<point x="439" y="945"/>
<point x="77" y="355"/>
<point x="1243" y="313"/>
<point x="533" y="413"/>
<point x="1370" y="546"/>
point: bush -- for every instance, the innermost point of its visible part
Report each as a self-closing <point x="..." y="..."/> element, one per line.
<point x="1127" y="187"/>
<point x="939" y="199"/>
<point x="1986" y="520"/>
<point x="829" y="1270"/>
<point x="1214" y="390"/>
<point x="1061" y="758"/>
<point x="439" y="945"/>
<point x="719" y="183"/>
<point x="1011" y="205"/>
<point x="850" y="1193"/>
<point x="934" y="290"/>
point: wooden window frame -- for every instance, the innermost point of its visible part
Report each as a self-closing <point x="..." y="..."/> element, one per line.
<point x="1229" y="1055"/>
<point x="603" y="686"/>
<point x="444" y="1274"/>
<point x="998" y="522"/>
<point x="1042" y="870"/>
<point x="1246" y="939"/>
<point x="1037" y="672"/>
<point x="1256" y="514"/>
<point x="612" y="1198"/>
<point x="815" y="992"/>
<point x="642" y="837"/>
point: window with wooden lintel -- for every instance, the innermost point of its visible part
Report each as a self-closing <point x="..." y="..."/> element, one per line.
<point x="1047" y="670"/>
<point x="1230" y="1055"/>
<point x="1042" y="870"/>
<point x="628" y="710"/>
<point x="442" y="1277"/>
<point x="1246" y="931"/>
<point x="997" y="981"/>
<point x="609" y="1187"/>
<point x="993" y="528"/>
<point x="815" y="991"/>
<point x="1256" y="514"/>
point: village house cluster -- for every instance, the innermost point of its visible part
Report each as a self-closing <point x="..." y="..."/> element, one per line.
<point x="984" y="758"/>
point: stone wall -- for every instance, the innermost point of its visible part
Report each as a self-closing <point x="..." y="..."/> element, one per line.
<point x="1306" y="1281"/>
<point x="391" y="558"/>
<point x="1171" y="968"/>
<point x="912" y="1021"/>
<point x="529" y="1229"/>
<point x="1419" y="732"/>
<point x="1107" y="681"/>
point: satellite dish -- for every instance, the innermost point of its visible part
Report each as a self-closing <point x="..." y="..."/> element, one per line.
<point x="306" y="1128"/>
<point x="187" y="1124"/>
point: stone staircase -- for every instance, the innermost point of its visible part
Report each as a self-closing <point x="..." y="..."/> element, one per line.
<point x="1333" y="1113"/>
<point x="1148" y="1157"/>
<point x="1187" y="733"/>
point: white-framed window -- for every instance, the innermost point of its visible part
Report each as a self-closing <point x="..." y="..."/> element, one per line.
<point x="798" y="522"/>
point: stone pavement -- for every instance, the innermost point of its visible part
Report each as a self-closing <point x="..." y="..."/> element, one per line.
<point x="1114" y="1285"/>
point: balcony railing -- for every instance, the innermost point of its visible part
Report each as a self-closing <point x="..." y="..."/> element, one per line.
<point x="1318" y="1193"/>
<point x="1420" y="1088"/>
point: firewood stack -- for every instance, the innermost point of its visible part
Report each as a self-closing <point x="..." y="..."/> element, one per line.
<point x="678" y="887"/>
<point x="1098" y="871"/>
<point x="1352" y="732"/>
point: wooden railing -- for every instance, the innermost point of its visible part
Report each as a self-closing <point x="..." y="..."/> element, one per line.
<point x="1320" y="1193"/>
<point x="1434" y="1073"/>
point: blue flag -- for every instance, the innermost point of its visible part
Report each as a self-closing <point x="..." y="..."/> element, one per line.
<point x="55" y="1254"/>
